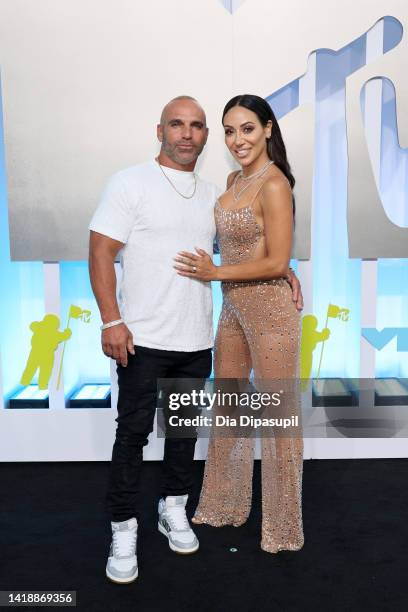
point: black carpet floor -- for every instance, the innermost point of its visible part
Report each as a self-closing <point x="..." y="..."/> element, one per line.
<point x="54" y="536"/>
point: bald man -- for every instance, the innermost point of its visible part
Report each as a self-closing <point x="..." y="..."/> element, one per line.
<point x="163" y="326"/>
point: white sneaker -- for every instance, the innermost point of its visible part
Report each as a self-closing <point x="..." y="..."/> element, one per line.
<point x="122" y="563"/>
<point x="174" y="525"/>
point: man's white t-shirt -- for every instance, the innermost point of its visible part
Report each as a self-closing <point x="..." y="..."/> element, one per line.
<point x="140" y="208"/>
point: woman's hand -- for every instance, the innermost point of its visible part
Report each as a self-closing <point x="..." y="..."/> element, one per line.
<point x="294" y="283"/>
<point x="198" y="266"/>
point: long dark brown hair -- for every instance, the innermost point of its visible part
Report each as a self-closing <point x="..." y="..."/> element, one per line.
<point x="275" y="146"/>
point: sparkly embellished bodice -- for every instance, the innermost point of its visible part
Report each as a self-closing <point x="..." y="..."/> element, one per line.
<point x="238" y="233"/>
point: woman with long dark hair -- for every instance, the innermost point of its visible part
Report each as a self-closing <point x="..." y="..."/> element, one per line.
<point x="259" y="326"/>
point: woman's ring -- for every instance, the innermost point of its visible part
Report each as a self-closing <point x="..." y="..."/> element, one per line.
<point x="194" y="269"/>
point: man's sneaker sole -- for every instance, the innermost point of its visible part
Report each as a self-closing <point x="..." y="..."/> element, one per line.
<point x="181" y="551"/>
<point x="117" y="580"/>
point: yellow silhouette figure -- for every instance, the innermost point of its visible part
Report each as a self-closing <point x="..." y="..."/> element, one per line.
<point x="310" y="338"/>
<point x="45" y="341"/>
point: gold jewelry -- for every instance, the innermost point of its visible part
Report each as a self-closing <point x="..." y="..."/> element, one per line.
<point x="174" y="187"/>
<point x="235" y="195"/>
<point x="258" y="173"/>
<point x="251" y="178"/>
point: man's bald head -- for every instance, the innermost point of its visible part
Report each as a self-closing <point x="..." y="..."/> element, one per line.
<point x="182" y="132"/>
<point x="172" y="104"/>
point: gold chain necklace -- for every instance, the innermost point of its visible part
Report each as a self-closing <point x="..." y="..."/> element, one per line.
<point x="252" y="178"/>
<point x="255" y="174"/>
<point x="174" y="187"/>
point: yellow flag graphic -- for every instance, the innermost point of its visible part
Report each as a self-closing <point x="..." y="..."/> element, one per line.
<point x="335" y="312"/>
<point x="75" y="312"/>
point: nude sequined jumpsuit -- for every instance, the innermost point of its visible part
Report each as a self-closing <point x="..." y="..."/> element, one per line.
<point x="259" y="329"/>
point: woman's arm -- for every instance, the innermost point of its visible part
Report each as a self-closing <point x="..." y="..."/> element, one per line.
<point x="276" y="203"/>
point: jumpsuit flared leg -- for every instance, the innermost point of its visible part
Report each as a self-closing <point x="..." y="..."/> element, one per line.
<point x="226" y="492"/>
<point x="265" y="337"/>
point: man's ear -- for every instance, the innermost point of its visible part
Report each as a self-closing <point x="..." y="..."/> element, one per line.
<point x="159" y="132"/>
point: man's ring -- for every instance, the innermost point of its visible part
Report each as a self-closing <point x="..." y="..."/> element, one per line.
<point x="194" y="269"/>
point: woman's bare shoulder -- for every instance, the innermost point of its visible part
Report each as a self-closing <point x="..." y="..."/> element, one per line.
<point x="276" y="190"/>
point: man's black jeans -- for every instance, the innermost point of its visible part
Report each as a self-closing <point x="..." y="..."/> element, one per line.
<point x="136" y="410"/>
